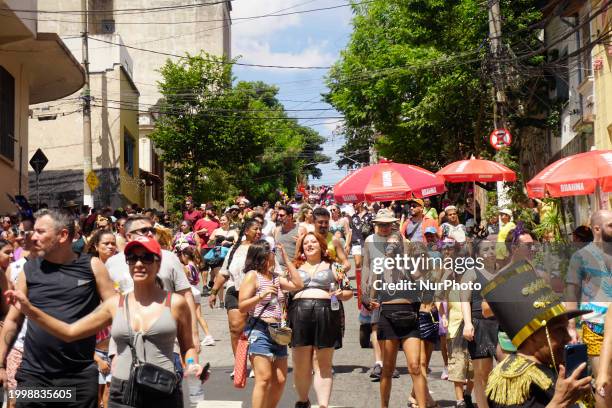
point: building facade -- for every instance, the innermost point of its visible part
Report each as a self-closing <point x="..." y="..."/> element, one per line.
<point x="57" y="129"/>
<point x="152" y="33"/>
<point x="35" y="67"/>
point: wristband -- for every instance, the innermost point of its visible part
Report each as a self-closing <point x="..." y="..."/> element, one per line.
<point x="214" y="292"/>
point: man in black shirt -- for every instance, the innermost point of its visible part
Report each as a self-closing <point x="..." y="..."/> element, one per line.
<point x="68" y="286"/>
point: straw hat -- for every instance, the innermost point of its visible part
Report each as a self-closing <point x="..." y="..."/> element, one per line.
<point x="385" y="216"/>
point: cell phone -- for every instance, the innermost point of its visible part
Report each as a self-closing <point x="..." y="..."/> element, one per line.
<point x="205" y="372"/>
<point x="575" y="354"/>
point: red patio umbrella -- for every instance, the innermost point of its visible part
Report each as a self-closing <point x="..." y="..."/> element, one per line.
<point x="387" y="181"/>
<point x="474" y="170"/>
<point x="579" y="174"/>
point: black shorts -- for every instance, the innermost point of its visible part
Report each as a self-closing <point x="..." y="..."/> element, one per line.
<point x="231" y="298"/>
<point x="386" y="330"/>
<point x="485" y="339"/>
<point x="83" y="383"/>
<point x="429" y="326"/>
<point x="315" y="324"/>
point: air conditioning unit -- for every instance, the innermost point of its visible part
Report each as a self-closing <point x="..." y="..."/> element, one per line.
<point x="108" y="26"/>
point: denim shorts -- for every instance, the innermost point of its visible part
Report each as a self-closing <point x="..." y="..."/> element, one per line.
<point x="261" y="344"/>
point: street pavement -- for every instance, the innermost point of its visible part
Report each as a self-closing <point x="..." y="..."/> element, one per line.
<point x="352" y="385"/>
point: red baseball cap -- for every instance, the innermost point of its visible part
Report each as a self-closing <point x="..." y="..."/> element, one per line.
<point x="150" y="244"/>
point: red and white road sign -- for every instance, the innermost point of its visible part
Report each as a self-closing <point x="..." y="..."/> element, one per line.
<point x="500" y="138"/>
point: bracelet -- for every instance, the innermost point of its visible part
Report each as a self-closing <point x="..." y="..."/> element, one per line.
<point x="214" y="292"/>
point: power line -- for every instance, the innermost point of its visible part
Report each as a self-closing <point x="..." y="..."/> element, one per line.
<point x="225" y="116"/>
<point x="127" y="10"/>
<point x="236" y="19"/>
<point x="208" y="60"/>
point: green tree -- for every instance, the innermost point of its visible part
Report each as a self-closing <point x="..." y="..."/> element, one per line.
<point x="219" y="139"/>
<point x="415" y="77"/>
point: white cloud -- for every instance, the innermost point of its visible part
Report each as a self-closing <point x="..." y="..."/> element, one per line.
<point x="261" y="52"/>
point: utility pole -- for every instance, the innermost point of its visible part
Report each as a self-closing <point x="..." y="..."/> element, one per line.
<point x="86" y="95"/>
<point x="499" y="94"/>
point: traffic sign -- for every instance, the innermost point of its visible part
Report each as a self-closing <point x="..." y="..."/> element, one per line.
<point x="92" y="180"/>
<point x="500" y="138"/>
<point x="38" y="161"/>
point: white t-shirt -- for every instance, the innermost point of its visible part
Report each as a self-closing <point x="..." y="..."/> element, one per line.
<point x="235" y="272"/>
<point x="170" y="272"/>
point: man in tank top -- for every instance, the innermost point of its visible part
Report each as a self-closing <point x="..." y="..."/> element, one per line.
<point x="67" y="286"/>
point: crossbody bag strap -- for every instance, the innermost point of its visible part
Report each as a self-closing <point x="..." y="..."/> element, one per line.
<point x="131" y="338"/>
<point x="414" y="230"/>
<point x="257" y="319"/>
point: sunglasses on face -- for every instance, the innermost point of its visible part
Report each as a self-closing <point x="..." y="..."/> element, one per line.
<point x="143" y="231"/>
<point x="147" y="258"/>
<point x="23" y="233"/>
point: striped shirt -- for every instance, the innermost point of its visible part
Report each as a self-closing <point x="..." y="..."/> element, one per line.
<point x="274" y="310"/>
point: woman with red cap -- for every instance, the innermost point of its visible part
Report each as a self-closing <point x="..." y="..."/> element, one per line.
<point x="146" y="322"/>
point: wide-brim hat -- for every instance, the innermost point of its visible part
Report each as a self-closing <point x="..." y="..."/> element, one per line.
<point x="506" y="211"/>
<point x="384" y="216"/>
<point x="523" y="303"/>
<point x="70" y="204"/>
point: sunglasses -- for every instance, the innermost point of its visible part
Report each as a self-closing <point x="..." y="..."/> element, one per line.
<point x="147" y="258"/>
<point x="143" y="231"/>
<point x="23" y="233"/>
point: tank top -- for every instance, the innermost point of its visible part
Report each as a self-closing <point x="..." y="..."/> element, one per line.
<point x="155" y="346"/>
<point x="476" y="298"/>
<point x="287" y="239"/>
<point x="67" y="292"/>
<point x="273" y="311"/>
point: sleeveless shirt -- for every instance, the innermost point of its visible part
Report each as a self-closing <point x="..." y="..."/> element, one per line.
<point x="155" y="346"/>
<point x="273" y="311"/>
<point x="67" y="292"/>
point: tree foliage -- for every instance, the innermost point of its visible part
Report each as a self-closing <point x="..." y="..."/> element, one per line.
<point x="219" y="138"/>
<point x="415" y="77"/>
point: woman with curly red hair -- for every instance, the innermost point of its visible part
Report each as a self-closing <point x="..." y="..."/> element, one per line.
<point x="315" y="322"/>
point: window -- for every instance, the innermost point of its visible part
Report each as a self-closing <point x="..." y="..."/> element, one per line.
<point x="7" y="114"/>
<point x="128" y="153"/>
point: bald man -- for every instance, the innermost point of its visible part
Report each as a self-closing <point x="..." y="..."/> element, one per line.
<point x="589" y="285"/>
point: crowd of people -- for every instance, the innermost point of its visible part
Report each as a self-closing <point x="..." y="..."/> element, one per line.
<point x="72" y="275"/>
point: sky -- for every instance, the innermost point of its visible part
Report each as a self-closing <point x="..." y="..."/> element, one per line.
<point x="307" y="39"/>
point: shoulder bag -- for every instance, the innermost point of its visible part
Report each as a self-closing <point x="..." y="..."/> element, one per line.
<point x="242" y="349"/>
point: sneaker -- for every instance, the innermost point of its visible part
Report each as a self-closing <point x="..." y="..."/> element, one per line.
<point x="460" y="404"/>
<point x="444" y="375"/>
<point x="395" y="374"/>
<point x="232" y="375"/>
<point x="467" y="398"/>
<point x="302" y="404"/>
<point x="252" y="374"/>
<point x="208" y="341"/>
<point x="221" y="305"/>
<point x="376" y="371"/>
<point x="205" y="291"/>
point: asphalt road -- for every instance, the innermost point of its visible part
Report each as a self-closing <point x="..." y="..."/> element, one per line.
<point x="352" y="385"/>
